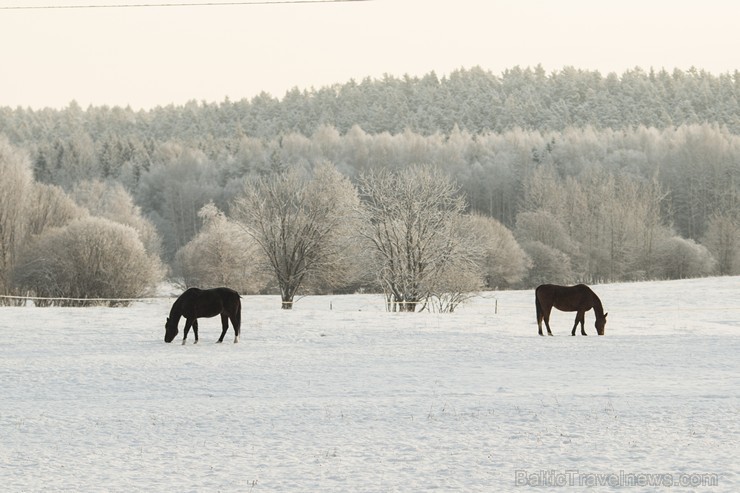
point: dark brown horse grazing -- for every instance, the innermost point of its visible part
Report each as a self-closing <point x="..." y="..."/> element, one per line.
<point x="578" y="298"/>
<point x="195" y="303"/>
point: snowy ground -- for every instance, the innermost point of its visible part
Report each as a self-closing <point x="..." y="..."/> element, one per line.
<point x="357" y="399"/>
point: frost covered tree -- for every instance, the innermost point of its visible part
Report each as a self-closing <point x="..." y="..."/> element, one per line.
<point x="50" y="207"/>
<point x="549" y="246"/>
<point x="723" y="241"/>
<point x="303" y="222"/>
<point x="410" y="218"/>
<point x="180" y="182"/>
<point x="111" y="201"/>
<point x="607" y="223"/>
<point x="572" y="143"/>
<point x="16" y="183"/>
<point x="222" y="254"/>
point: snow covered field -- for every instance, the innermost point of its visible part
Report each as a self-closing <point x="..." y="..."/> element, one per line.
<point x="357" y="399"/>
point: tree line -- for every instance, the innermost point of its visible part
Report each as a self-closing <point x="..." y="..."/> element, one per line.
<point x="584" y="199"/>
<point x="292" y="231"/>
<point x="473" y="100"/>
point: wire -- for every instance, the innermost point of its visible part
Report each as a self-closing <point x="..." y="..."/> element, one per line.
<point x="171" y="4"/>
<point x="89" y="300"/>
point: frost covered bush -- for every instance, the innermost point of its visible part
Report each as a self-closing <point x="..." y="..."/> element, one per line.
<point x="503" y="262"/>
<point x="549" y="265"/>
<point x="679" y="258"/>
<point x="88" y="258"/>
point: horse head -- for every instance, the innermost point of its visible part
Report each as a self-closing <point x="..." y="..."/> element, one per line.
<point x="600" y="324"/>
<point x="170" y="327"/>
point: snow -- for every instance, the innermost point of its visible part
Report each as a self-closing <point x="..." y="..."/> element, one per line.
<point x="338" y="395"/>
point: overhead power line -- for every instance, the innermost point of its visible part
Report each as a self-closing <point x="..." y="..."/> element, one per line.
<point x="169" y="4"/>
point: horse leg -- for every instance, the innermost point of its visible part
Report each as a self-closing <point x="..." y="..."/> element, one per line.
<point x="235" y="322"/>
<point x="546" y="317"/>
<point x="579" y="320"/>
<point x="224" y="325"/>
<point x="188" y="323"/>
<point x="538" y="306"/>
<point x="195" y="330"/>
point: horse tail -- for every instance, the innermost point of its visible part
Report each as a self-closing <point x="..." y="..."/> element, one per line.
<point x="538" y="306"/>
<point x="238" y="315"/>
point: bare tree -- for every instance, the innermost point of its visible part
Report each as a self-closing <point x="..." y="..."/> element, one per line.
<point x="303" y="223"/>
<point x="409" y="217"/>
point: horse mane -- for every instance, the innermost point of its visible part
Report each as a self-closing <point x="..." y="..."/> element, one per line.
<point x="176" y="310"/>
<point x="598" y="307"/>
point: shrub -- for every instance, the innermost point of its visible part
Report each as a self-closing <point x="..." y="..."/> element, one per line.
<point x="88" y="258"/>
<point x="549" y="265"/>
<point x="679" y="258"/>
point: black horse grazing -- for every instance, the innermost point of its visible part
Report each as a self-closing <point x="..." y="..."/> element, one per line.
<point x="578" y="298"/>
<point x="196" y="303"/>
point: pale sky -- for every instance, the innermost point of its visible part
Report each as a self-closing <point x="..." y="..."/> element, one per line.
<point x="155" y="56"/>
